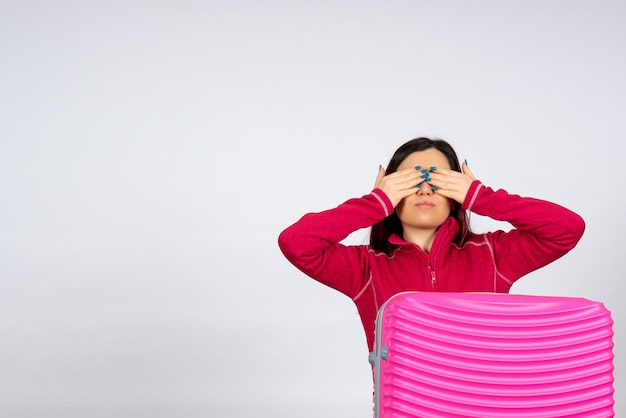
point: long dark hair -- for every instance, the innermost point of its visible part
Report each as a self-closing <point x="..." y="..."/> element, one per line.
<point x="380" y="233"/>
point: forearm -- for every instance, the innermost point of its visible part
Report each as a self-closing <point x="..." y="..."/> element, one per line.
<point x="315" y="232"/>
<point x="546" y="220"/>
<point x="543" y="231"/>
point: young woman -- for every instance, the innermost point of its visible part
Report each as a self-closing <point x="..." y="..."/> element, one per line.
<point x="420" y="237"/>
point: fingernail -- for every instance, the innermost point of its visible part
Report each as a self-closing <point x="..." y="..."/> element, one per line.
<point x="380" y="167"/>
<point x="424" y="176"/>
<point x="419" y="186"/>
<point x="466" y="163"/>
<point x="417" y="167"/>
<point x="424" y="170"/>
<point x="433" y="168"/>
<point x="435" y="189"/>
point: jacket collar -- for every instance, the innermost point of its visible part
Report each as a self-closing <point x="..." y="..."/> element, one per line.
<point x="444" y="236"/>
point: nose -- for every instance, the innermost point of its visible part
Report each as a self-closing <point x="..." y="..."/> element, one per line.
<point x="425" y="190"/>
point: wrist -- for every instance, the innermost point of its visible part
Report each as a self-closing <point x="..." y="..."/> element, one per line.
<point x="384" y="200"/>
<point x="471" y="195"/>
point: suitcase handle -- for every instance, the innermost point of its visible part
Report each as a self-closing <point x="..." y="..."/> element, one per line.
<point x="384" y="355"/>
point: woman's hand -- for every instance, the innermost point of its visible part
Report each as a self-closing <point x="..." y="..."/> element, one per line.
<point x="452" y="184"/>
<point x="398" y="185"/>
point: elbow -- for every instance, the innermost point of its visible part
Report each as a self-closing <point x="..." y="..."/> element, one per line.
<point x="284" y="241"/>
<point x="579" y="229"/>
<point x="576" y="230"/>
<point x="582" y="227"/>
<point x="290" y="244"/>
<point x="287" y="242"/>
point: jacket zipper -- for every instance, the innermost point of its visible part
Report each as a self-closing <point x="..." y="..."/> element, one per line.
<point x="433" y="278"/>
<point x="431" y="261"/>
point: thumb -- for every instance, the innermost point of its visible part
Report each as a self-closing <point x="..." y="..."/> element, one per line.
<point x="379" y="177"/>
<point x="466" y="170"/>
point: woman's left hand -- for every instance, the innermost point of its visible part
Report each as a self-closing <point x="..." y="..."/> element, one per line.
<point x="452" y="184"/>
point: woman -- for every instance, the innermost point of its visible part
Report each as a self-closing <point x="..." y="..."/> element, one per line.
<point x="420" y="237"/>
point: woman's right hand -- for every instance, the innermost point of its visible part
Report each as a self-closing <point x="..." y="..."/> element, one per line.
<point x="399" y="184"/>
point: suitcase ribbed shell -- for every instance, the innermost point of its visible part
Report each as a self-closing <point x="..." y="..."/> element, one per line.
<point x="449" y="355"/>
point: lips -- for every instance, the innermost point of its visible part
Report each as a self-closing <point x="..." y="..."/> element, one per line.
<point x="425" y="204"/>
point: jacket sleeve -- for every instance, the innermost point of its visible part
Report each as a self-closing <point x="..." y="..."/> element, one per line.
<point x="312" y="244"/>
<point x="542" y="233"/>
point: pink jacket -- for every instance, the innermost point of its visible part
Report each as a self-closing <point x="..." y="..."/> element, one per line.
<point x="491" y="262"/>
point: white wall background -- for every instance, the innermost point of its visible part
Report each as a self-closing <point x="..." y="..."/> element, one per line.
<point x="152" y="151"/>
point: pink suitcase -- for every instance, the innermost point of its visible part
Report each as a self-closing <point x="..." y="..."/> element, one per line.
<point x="488" y="355"/>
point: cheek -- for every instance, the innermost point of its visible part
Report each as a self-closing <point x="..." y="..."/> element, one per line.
<point x="445" y="208"/>
<point x="400" y="206"/>
<point x="400" y="209"/>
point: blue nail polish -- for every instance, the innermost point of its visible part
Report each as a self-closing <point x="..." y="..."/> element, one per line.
<point x="435" y="189"/>
<point x="424" y="171"/>
<point x="433" y="168"/>
<point x="419" y="186"/>
<point x="424" y="176"/>
<point x="417" y="167"/>
<point x="466" y="163"/>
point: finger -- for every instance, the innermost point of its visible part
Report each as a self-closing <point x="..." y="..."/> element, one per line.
<point x="451" y="183"/>
<point x="420" y="183"/>
<point x="406" y="178"/>
<point x="446" y="193"/>
<point x="437" y="180"/>
<point x="410" y="191"/>
<point x="443" y="187"/>
<point x="407" y="172"/>
<point x="446" y="180"/>
<point x="451" y="176"/>
<point x="445" y="172"/>
<point x="454" y="186"/>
